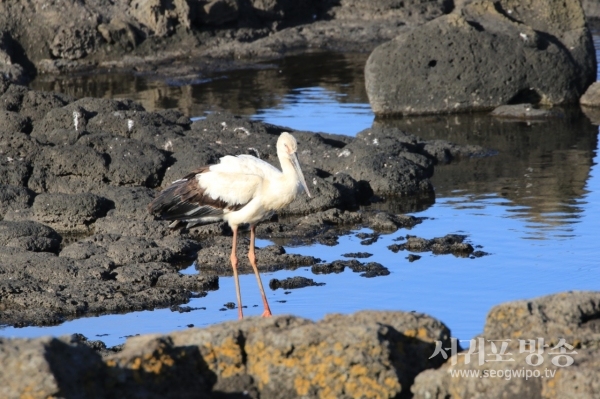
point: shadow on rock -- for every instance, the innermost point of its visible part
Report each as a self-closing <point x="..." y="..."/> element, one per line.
<point x="370" y="354"/>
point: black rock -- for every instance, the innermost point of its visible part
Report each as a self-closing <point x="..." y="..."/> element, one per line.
<point x="292" y="283"/>
<point x="357" y="255"/>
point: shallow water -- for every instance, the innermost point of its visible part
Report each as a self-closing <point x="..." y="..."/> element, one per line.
<point x="314" y="92"/>
<point x="534" y="207"/>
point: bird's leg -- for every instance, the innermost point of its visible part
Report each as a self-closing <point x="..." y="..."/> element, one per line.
<point x="234" y="264"/>
<point x="252" y="257"/>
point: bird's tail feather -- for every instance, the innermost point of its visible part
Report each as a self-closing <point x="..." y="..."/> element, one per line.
<point x="178" y="203"/>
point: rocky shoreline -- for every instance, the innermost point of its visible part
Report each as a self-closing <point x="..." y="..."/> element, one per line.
<point x="77" y="240"/>
<point x="427" y="56"/>
<point x="180" y="38"/>
<point x="76" y="176"/>
<point x="367" y="354"/>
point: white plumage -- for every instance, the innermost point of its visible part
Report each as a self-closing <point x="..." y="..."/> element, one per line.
<point x="239" y="190"/>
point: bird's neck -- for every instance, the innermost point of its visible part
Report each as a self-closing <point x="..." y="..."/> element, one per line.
<point x="287" y="168"/>
<point x="289" y="176"/>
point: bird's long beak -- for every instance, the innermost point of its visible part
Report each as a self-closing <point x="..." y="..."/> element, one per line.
<point x="294" y="159"/>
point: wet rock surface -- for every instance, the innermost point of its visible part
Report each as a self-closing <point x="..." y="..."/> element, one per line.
<point x="40" y="288"/>
<point x="357" y="255"/>
<point x="326" y="226"/>
<point x="413" y="257"/>
<point x="92" y="165"/>
<point x="293" y="283"/>
<point x="370" y="269"/>
<point x="215" y="257"/>
<point x="80" y="174"/>
<point x="525" y="112"/>
<point x="450" y="244"/>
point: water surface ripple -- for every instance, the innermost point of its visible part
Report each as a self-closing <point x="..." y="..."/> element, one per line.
<point x="534" y="207"/>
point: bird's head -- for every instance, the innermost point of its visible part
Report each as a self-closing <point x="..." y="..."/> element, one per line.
<point x="287" y="144"/>
<point x="286" y="149"/>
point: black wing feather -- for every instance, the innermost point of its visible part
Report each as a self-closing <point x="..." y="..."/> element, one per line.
<point x="185" y="200"/>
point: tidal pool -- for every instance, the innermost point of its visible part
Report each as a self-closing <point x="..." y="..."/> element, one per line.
<point x="534" y="207"/>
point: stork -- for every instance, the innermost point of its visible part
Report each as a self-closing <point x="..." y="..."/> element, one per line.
<point x="239" y="190"/>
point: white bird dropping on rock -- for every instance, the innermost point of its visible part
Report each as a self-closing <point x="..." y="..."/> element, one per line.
<point x="345" y="153"/>
<point x="76" y="116"/>
<point x="243" y="129"/>
<point x="129" y="124"/>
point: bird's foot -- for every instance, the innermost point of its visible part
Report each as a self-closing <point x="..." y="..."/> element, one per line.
<point x="267" y="313"/>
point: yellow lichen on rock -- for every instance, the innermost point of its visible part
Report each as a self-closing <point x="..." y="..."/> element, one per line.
<point x="363" y="385"/>
<point x="225" y="359"/>
<point x="318" y="368"/>
<point x="420" y="333"/>
<point x="29" y="393"/>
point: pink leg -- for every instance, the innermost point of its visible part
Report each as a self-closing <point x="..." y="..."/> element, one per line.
<point x="252" y="257"/>
<point x="234" y="264"/>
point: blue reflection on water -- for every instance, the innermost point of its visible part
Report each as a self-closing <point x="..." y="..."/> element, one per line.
<point x="458" y="291"/>
<point x="315" y="109"/>
<point x="528" y="257"/>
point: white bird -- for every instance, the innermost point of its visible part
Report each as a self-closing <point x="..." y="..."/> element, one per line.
<point x="239" y="189"/>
